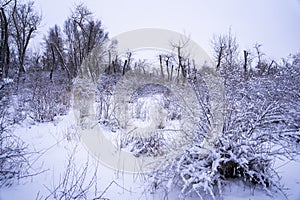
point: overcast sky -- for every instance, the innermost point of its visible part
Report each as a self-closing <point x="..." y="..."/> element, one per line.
<point x="273" y="23"/>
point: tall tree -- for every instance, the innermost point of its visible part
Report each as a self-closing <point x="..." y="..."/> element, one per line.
<point x="55" y="55"/>
<point x="25" y="23"/>
<point x="83" y="34"/>
<point x="4" y="34"/>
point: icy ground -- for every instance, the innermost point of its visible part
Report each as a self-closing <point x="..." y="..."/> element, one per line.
<point x="55" y="142"/>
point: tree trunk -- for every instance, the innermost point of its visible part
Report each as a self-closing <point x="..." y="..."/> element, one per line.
<point x="168" y="72"/>
<point x="4" y="47"/>
<point x="161" y="67"/>
<point x="219" y="58"/>
<point x="246" y="54"/>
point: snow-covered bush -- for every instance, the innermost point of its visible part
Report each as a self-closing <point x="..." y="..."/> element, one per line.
<point x="262" y="124"/>
<point x="13" y="158"/>
<point x="13" y="152"/>
<point x="41" y="98"/>
<point x="105" y="88"/>
<point x="154" y="145"/>
<point x="207" y="175"/>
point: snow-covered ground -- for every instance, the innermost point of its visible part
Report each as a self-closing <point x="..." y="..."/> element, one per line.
<point x="55" y="142"/>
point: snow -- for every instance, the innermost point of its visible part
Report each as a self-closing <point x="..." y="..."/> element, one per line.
<point x="7" y="80"/>
<point x="55" y="146"/>
<point x="55" y="142"/>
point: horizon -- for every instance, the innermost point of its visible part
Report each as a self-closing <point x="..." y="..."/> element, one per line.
<point x="272" y="25"/>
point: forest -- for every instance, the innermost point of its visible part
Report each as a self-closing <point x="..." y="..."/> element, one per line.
<point x="259" y="128"/>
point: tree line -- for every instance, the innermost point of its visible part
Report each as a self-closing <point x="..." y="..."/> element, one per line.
<point x="63" y="48"/>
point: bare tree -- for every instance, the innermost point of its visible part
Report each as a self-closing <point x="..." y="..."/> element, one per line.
<point x="219" y="45"/>
<point x="4" y="34"/>
<point x="259" y="54"/>
<point x="83" y="35"/>
<point x="25" y="23"/>
<point x="179" y="47"/>
<point x="262" y="64"/>
<point x="55" y="55"/>
<point x="167" y="62"/>
<point x="226" y="51"/>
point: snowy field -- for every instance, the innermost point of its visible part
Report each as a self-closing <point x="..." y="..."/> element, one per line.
<point x="57" y="144"/>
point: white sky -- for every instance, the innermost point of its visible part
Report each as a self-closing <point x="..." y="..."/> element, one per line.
<point x="273" y="23"/>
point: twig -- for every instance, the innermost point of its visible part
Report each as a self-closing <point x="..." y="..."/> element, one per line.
<point x="112" y="182"/>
